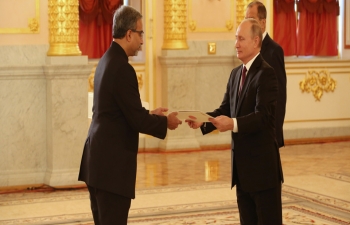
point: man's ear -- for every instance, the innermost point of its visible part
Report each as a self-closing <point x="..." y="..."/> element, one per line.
<point x="128" y="35"/>
<point x="256" y="41"/>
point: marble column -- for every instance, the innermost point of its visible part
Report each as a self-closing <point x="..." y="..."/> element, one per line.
<point x="178" y="80"/>
<point x="66" y="117"/>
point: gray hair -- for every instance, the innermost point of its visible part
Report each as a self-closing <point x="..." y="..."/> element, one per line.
<point x="255" y="29"/>
<point x="124" y="19"/>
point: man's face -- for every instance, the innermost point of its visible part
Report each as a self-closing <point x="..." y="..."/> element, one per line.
<point x="252" y="12"/>
<point x="246" y="45"/>
<point x="137" y="38"/>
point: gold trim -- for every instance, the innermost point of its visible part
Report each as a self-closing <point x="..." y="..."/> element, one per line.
<point x="228" y="26"/>
<point x="33" y="24"/>
<point x="212" y="48"/>
<point x="316" y="120"/>
<point x="241" y="6"/>
<point x="317" y="83"/>
<point x="175" y="36"/>
<point x="63" y="28"/>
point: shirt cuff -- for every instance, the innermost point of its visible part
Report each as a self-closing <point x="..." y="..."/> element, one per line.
<point x="235" y="127"/>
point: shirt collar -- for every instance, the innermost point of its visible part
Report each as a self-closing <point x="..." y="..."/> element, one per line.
<point x="248" y="65"/>
<point x="264" y="35"/>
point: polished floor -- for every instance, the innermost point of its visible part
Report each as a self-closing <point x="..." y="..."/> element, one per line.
<point x="162" y="169"/>
<point x="194" y="188"/>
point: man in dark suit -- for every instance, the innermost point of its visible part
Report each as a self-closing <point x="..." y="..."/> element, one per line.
<point x="248" y="111"/>
<point x="108" y="164"/>
<point x="274" y="56"/>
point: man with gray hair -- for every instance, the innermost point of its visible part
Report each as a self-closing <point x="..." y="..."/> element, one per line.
<point x="248" y="112"/>
<point x="108" y="164"/>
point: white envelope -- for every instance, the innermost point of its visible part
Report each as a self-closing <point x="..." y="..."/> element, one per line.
<point x="193" y="115"/>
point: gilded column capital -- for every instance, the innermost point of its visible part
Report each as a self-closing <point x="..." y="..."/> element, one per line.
<point x="63" y="28"/>
<point x="175" y="17"/>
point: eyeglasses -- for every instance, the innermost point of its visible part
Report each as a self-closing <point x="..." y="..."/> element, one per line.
<point x="140" y="32"/>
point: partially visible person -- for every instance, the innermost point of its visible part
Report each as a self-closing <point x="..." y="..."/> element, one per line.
<point x="109" y="160"/>
<point x="273" y="54"/>
<point x="248" y="112"/>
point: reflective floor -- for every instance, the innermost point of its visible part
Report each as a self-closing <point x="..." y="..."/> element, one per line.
<point x="162" y="169"/>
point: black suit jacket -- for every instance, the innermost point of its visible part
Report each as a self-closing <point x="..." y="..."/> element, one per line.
<point x="110" y="152"/>
<point x="256" y="161"/>
<point x="274" y="56"/>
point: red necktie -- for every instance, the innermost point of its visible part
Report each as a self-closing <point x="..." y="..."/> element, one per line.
<point x="244" y="71"/>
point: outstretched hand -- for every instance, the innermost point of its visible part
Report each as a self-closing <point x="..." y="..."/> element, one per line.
<point x="159" y="111"/>
<point x="193" y="124"/>
<point x="222" y="123"/>
<point x="173" y="121"/>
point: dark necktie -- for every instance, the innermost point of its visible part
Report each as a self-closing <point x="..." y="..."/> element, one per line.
<point x="244" y="71"/>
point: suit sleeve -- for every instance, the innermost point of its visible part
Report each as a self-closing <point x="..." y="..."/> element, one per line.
<point x="128" y="98"/>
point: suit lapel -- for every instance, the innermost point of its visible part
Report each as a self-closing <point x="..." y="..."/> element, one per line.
<point x="235" y="89"/>
<point x="251" y="73"/>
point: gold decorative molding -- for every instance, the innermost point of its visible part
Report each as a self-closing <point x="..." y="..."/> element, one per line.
<point x="228" y="26"/>
<point x="33" y="24"/>
<point x="175" y="24"/>
<point x="241" y="6"/>
<point x="317" y="83"/>
<point x="212" y="48"/>
<point x="63" y="28"/>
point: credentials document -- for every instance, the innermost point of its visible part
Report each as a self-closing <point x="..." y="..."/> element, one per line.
<point x="193" y="115"/>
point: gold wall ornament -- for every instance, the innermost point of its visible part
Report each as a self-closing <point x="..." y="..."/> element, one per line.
<point x="317" y="83"/>
<point x="175" y="21"/>
<point x="33" y="23"/>
<point x="63" y="28"/>
<point x="212" y="48"/>
<point x="192" y="25"/>
<point x="229" y="25"/>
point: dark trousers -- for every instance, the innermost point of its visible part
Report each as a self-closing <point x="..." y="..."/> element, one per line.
<point x="109" y="208"/>
<point x="260" y="208"/>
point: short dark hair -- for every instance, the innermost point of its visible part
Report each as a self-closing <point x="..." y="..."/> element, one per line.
<point x="255" y="29"/>
<point x="261" y="9"/>
<point x="124" y="19"/>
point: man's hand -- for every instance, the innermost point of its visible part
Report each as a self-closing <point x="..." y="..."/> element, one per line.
<point x="159" y="111"/>
<point x="173" y="121"/>
<point x="222" y="123"/>
<point x="193" y="124"/>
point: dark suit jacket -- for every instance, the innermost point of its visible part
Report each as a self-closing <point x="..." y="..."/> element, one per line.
<point x="274" y="56"/>
<point x="255" y="151"/>
<point x="110" y="152"/>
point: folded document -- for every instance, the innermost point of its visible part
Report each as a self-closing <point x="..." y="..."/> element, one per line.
<point x="193" y="115"/>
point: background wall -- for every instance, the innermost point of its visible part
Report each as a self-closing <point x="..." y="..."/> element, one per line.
<point x="43" y="100"/>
